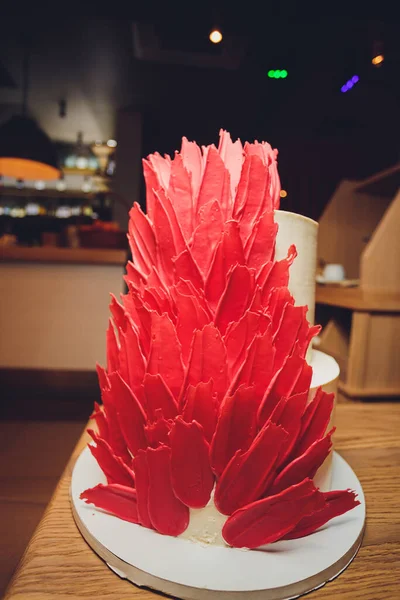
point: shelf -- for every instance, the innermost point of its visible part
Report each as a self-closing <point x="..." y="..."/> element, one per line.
<point x="358" y="299"/>
<point x="33" y="193"/>
<point x="48" y="254"/>
<point x="361" y="392"/>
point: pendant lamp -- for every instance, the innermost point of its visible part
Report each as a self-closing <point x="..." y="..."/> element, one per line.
<point x="26" y="152"/>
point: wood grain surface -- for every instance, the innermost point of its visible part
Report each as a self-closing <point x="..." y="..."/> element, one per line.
<point x="49" y="254"/>
<point x="357" y="299"/>
<point x="59" y="564"/>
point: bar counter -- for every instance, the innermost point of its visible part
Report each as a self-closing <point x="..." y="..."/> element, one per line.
<point x="54" y="306"/>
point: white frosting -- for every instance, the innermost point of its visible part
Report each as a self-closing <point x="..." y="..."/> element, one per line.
<point x="302" y="232"/>
<point x="205" y="525"/>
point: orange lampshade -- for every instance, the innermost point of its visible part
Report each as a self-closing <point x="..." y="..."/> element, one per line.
<point x="22" y="168"/>
<point x="26" y="152"/>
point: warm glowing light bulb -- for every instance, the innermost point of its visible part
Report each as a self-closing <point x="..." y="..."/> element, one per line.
<point x="215" y="36"/>
<point x="283" y="193"/>
<point x="378" y="59"/>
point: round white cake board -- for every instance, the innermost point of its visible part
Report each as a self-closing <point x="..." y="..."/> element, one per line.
<point x="188" y="570"/>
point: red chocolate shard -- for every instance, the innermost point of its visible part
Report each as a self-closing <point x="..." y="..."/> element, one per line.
<point x="228" y="253"/>
<point x="199" y="404"/>
<point x="142" y="321"/>
<point x="119" y="500"/>
<point x="180" y="193"/>
<point x="303" y="382"/>
<point x="158" y="397"/>
<point x="133" y="277"/>
<point x="166" y="248"/>
<point x="236" y="427"/>
<point x="131" y="417"/>
<point x="208" y="360"/>
<point x="191" y="475"/>
<point x="186" y="268"/>
<point x="177" y="235"/>
<point x="167" y="513"/>
<point x="257" y="368"/>
<point x="248" y="473"/>
<point x="263" y="275"/>
<point x="207" y="235"/>
<point x="315" y="420"/>
<point x="187" y="288"/>
<point x="242" y="188"/>
<point x="270" y="519"/>
<point x="305" y="466"/>
<point x="118" y="314"/>
<point x="286" y="335"/>
<point x="279" y="274"/>
<point x="190" y="316"/>
<point x="336" y="503"/>
<point x="260" y="246"/>
<point x="277" y="302"/>
<point x="305" y="335"/>
<point x="192" y="160"/>
<point x="232" y="155"/>
<point x="115" y="437"/>
<point x="102" y="377"/>
<point x="283" y="384"/>
<point x="235" y="298"/>
<point x="112" y="349"/>
<point x="142" y="240"/>
<point x="156" y="299"/>
<point x="288" y="414"/>
<point x="239" y="336"/>
<point x="252" y="188"/>
<point x="113" y="467"/>
<point x="132" y="362"/>
<point x="213" y="185"/>
<point x="165" y="353"/>
<point x="140" y="467"/>
<point x="101" y="421"/>
<point x="157" y="432"/>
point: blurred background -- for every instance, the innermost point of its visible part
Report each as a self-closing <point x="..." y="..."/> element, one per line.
<point x="82" y="100"/>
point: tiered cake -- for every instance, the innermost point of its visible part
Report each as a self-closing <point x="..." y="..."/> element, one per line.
<point x="213" y="425"/>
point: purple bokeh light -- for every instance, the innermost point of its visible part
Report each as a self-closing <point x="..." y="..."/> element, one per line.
<point x="355" y="78"/>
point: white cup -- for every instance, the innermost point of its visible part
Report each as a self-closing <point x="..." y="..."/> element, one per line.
<point x="333" y="272"/>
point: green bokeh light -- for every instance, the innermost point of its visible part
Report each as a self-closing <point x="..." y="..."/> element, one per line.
<point x="277" y="73"/>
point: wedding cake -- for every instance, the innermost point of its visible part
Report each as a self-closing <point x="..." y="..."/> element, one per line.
<point x="216" y="416"/>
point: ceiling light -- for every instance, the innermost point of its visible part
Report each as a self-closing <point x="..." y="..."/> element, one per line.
<point x="111" y="143"/>
<point x="350" y="83"/>
<point x="215" y="36"/>
<point x="378" y="60"/>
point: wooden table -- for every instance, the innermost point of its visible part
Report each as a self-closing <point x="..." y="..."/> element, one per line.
<point x="59" y="564"/>
<point x="367" y="350"/>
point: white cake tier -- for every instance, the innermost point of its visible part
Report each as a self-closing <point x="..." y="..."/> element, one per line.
<point x="206" y="524"/>
<point x="302" y="232"/>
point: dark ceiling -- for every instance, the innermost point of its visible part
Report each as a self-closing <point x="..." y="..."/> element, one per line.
<point x="323" y="135"/>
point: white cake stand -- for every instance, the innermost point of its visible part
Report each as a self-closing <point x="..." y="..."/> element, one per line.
<point x="188" y="570"/>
